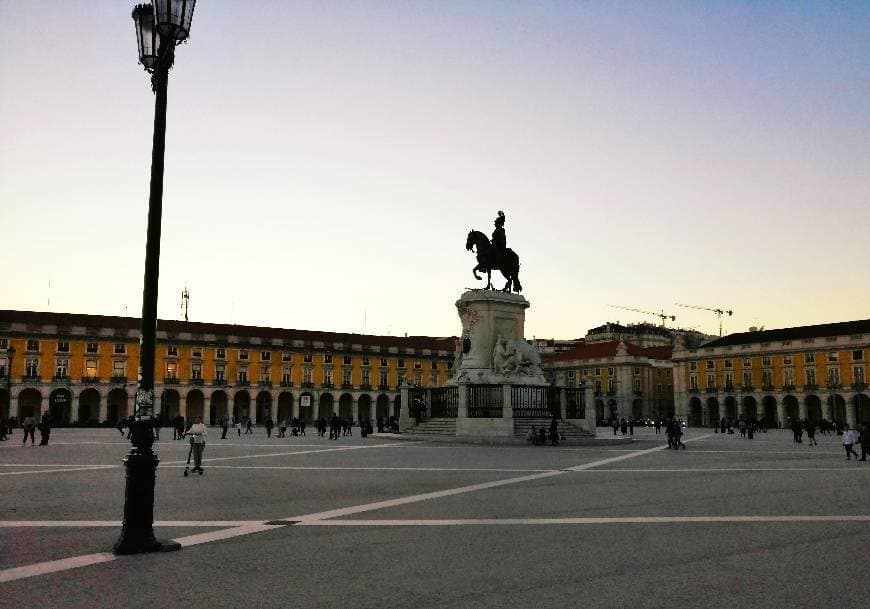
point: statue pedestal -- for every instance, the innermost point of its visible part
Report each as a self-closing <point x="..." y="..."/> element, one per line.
<point x="494" y="349"/>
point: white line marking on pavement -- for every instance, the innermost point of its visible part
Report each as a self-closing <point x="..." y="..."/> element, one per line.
<point x="354" y="469"/>
<point x="557" y="521"/>
<point x="190" y="540"/>
<point x="631" y="455"/>
<point x="12" y="524"/>
<point x="53" y="566"/>
<point x="295" y="452"/>
<point x="64" y="469"/>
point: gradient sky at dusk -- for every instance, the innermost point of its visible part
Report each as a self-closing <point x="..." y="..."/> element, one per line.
<point x="325" y="161"/>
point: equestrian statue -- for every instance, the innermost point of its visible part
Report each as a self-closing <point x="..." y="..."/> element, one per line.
<point x="495" y="256"/>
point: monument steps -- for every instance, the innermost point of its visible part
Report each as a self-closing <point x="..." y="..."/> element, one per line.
<point x="566" y="428"/>
<point x="435" y="427"/>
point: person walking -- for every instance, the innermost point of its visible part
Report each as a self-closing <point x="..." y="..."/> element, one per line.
<point x="678" y="436"/>
<point x="44" y="429"/>
<point x="28" y="426"/>
<point x="238" y="425"/>
<point x="865" y="441"/>
<point x="269" y="425"/>
<point x="225" y="426"/>
<point x="631" y="426"/>
<point x="197" y="433"/>
<point x="282" y="428"/>
<point x="811" y="433"/>
<point x="249" y="426"/>
<point x="554" y="432"/>
<point x="3" y="426"/>
<point x="849" y="439"/>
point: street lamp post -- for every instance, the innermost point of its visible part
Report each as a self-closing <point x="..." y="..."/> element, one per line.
<point x="159" y="27"/>
<point x="11" y="353"/>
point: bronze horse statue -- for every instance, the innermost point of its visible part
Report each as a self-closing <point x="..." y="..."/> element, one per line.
<point x="508" y="262"/>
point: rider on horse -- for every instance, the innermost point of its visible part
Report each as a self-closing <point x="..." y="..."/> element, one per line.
<point x="499" y="241"/>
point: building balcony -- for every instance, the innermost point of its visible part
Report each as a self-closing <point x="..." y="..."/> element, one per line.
<point x="859" y="386"/>
<point x="611" y="392"/>
<point x="243" y="383"/>
<point x="729" y="388"/>
<point x="265" y="384"/>
<point x="199" y="381"/>
<point x="308" y="385"/>
<point x="384" y="387"/>
<point x="286" y="383"/>
<point x="90" y="380"/>
<point x="366" y="387"/>
<point x="834" y="386"/>
<point x="712" y="390"/>
<point x="788" y="387"/>
<point x="60" y="379"/>
<point x="694" y="390"/>
<point x="326" y="385"/>
<point x="811" y="387"/>
<point x="117" y="379"/>
<point x="747" y="388"/>
<point x="32" y="380"/>
<point x="219" y="382"/>
<point x="346" y="386"/>
<point x="170" y="380"/>
<point x="767" y="388"/>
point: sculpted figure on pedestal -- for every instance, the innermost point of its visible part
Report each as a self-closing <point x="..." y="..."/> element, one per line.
<point x="495" y="256"/>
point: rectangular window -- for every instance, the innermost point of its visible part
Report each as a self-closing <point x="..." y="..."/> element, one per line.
<point x="693" y="365"/>
<point x="765" y="360"/>
<point x="120" y="348"/>
<point x="810" y="376"/>
<point x="264" y="374"/>
<point x="307" y="358"/>
<point x="747" y="378"/>
<point x="62" y="346"/>
<point x="286" y="357"/>
<point x="196" y="371"/>
<point x="327" y="358"/>
<point x="119" y="368"/>
<point x="286" y="375"/>
<point x="243" y="354"/>
<point x="243" y="374"/>
<point x="401" y="363"/>
<point x="220" y="353"/>
<point x="327" y="376"/>
<point x="345" y="376"/>
<point x="728" y="364"/>
<point x="858" y="374"/>
<point x="92" y="348"/>
<point x="33" y="345"/>
<point x="265" y="356"/>
<point x="31" y="368"/>
<point x="598" y="372"/>
<point x="710" y="364"/>
<point x="220" y="372"/>
<point x="786" y="360"/>
<point x="833" y="377"/>
<point x="585" y="372"/>
<point x="347" y="360"/>
<point x="433" y="379"/>
<point x="637" y="372"/>
<point x="833" y="357"/>
<point x="365" y="361"/>
<point x="418" y="365"/>
<point x="788" y="377"/>
<point x="711" y="381"/>
<point x="747" y="362"/>
<point x="172" y="370"/>
<point x="435" y="366"/>
<point x="766" y="379"/>
<point x="809" y="358"/>
<point x="693" y="381"/>
<point x="571" y="374"/>
<point x="383" y="361"/>
<point x="611" y="385"/>
<point x="62" y="370"/>
<point x="366" y="377"/>
<point x="172" y="351"/>
<point x="307" y="375"/>
<point x="858" y="355"/>
<point x="91" y="368"/>
<point x="610" y="371"/>
<point x="418" y="378"/>
<point x="383" y="378"/>
<point x="637" y="385"/>
<point x="597" y="386"/>
<point x="4" y="343"/>
<point x="729" y="381"/>
<point x="196" y="352"/>
<point x="2" y="367"/>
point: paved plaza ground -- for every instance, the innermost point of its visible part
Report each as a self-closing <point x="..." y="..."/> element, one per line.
<point x="728" y="522"/>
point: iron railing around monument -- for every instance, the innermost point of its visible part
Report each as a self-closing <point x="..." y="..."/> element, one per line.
<point x="485" y="401"/>
<point x="535" y="402"/>
<point x="575" y="403"/>
<point x="444" y="402"/>
<point x="418" y="399"/>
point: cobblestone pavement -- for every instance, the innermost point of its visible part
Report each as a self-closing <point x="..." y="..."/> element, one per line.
<point x="728" y="522"/>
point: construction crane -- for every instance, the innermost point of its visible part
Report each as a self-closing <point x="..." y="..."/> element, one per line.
<point x="664" y="316"/>
<point x="719" y="312"/>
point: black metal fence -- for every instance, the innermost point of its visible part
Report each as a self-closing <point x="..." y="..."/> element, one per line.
<point x="575" y="403"/>
<point x="485" y="401"/>
<point x="444" y="402"/>
<point x="418" y="400"/>
<point x="535" y="402"/>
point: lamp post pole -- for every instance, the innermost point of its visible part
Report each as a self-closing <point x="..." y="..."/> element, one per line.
<point x="158" y="28"/>
<point x="11" y="352"/>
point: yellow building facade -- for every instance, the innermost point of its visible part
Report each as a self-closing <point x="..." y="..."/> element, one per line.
<point x="809" y="372"/>
<point x="83" y="369"/>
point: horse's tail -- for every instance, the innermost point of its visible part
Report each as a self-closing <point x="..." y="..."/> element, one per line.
<point x="516" y="264"/>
